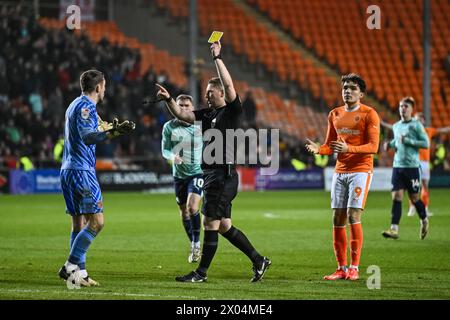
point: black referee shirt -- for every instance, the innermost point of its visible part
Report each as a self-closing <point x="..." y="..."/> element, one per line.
<point x="223" y="118"/>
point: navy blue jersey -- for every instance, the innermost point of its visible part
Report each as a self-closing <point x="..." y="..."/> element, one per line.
<point x="81" y="120"/>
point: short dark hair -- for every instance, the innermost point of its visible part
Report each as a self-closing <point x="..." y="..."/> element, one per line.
<point x="409" y="100"/>
<point x="216" y="82"/>
<point x="185" y="97"/>
<point x="353" y="77"/>
<point x="90" y="79"/>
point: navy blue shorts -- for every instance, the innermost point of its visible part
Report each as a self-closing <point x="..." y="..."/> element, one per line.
<point x="183" y="187"/>
<point x="406" y="179"/>
<point x="81" y="192"/>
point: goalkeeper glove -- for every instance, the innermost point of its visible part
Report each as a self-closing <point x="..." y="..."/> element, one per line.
<point x="103" y="125"/>
<point x="119" y="129"/>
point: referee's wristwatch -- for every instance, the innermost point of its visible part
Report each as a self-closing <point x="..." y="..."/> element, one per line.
<point x="219" y="56"/>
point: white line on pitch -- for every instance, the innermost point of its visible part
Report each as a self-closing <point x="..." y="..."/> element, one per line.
<point x="97" y="293"/>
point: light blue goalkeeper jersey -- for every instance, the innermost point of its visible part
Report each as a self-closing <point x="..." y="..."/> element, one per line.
<point x="81" y="124"/>
<point x="186" y="141"/>
<point x="407" y="153"/>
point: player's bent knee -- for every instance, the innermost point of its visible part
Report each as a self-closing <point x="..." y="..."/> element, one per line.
<point x="211" y="224"/>
<point x="184" y="214"/>
<point x="96" y="222"/>
<point x="224" y="227"/>
<point x="414" y="197"/>
<point x="397" y="196"/>
<point x="192" y="209"/>
<point x="97" y="227"/>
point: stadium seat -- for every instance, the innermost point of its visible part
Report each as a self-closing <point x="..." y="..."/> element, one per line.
<point x="398" y="46"/>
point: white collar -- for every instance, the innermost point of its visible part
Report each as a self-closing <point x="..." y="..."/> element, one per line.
<point x="354" y="108"/>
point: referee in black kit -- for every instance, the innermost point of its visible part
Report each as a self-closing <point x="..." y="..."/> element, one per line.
<point x="221" y="178"/>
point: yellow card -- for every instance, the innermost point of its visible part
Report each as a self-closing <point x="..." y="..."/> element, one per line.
<point x="215" y="36"/>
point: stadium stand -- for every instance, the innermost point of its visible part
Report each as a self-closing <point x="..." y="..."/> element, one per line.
<point x="135" y="68"/>
<point x="250" y="38"/>
<point x="390" y="59"/>
<point x="274" y="111"/>
<point x="39" y="73"/>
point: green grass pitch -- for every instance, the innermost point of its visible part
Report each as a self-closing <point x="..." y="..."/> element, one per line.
<point x="143" y="247"/>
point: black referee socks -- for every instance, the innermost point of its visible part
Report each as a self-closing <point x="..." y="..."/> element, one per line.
<point x="240" y="241"/>
<point x="210" y="242"/>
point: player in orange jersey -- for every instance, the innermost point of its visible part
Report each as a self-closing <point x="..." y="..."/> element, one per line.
<point x="424" y="157"/>
<point x="353" y="133"/>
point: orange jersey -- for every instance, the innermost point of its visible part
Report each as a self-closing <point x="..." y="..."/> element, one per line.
<point x="424" y="154"/>
<point x="360" y="130"/>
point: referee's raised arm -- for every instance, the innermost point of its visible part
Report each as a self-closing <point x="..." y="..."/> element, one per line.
<point x="174" y="108"/>
<point x="224" y="75"/>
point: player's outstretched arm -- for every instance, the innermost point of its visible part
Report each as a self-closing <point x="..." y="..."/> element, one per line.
<point x="443" y="130"/>
<point x="386" y="125"/>
<point x="175" y="110"/>
<point x="92" y="134"/>
<point x="222" y="71"/>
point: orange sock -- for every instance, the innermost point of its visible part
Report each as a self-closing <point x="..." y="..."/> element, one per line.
<point x="340" y="245"/>
<point x="356" y="241"/>
<point x="425" y="196"/>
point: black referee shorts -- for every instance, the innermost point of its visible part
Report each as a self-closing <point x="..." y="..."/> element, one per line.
<point x="219" y="190"/>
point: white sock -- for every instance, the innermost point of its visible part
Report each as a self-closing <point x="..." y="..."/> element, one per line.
<point x="83" y="273"/>
<point x="196" y="244"/>
<point x="394" y="227"/>
<point x="354" y="267"/>
<point x="70" y="267"/>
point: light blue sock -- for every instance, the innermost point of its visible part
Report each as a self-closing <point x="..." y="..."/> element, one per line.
<point x="81" y="245"/>
<point x="82" y="264"/>
<point x="73" y="235"/>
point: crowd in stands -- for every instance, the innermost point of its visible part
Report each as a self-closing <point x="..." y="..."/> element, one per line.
<point x="39" y="77"/>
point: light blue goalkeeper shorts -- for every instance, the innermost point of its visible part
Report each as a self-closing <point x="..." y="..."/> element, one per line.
<point x="81" y="192"/>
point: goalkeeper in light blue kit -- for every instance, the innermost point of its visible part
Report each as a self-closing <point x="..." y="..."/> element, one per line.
<point x="182" y="144"/>
<point x="409" y="137"/>
<point x="82" y="194"/>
